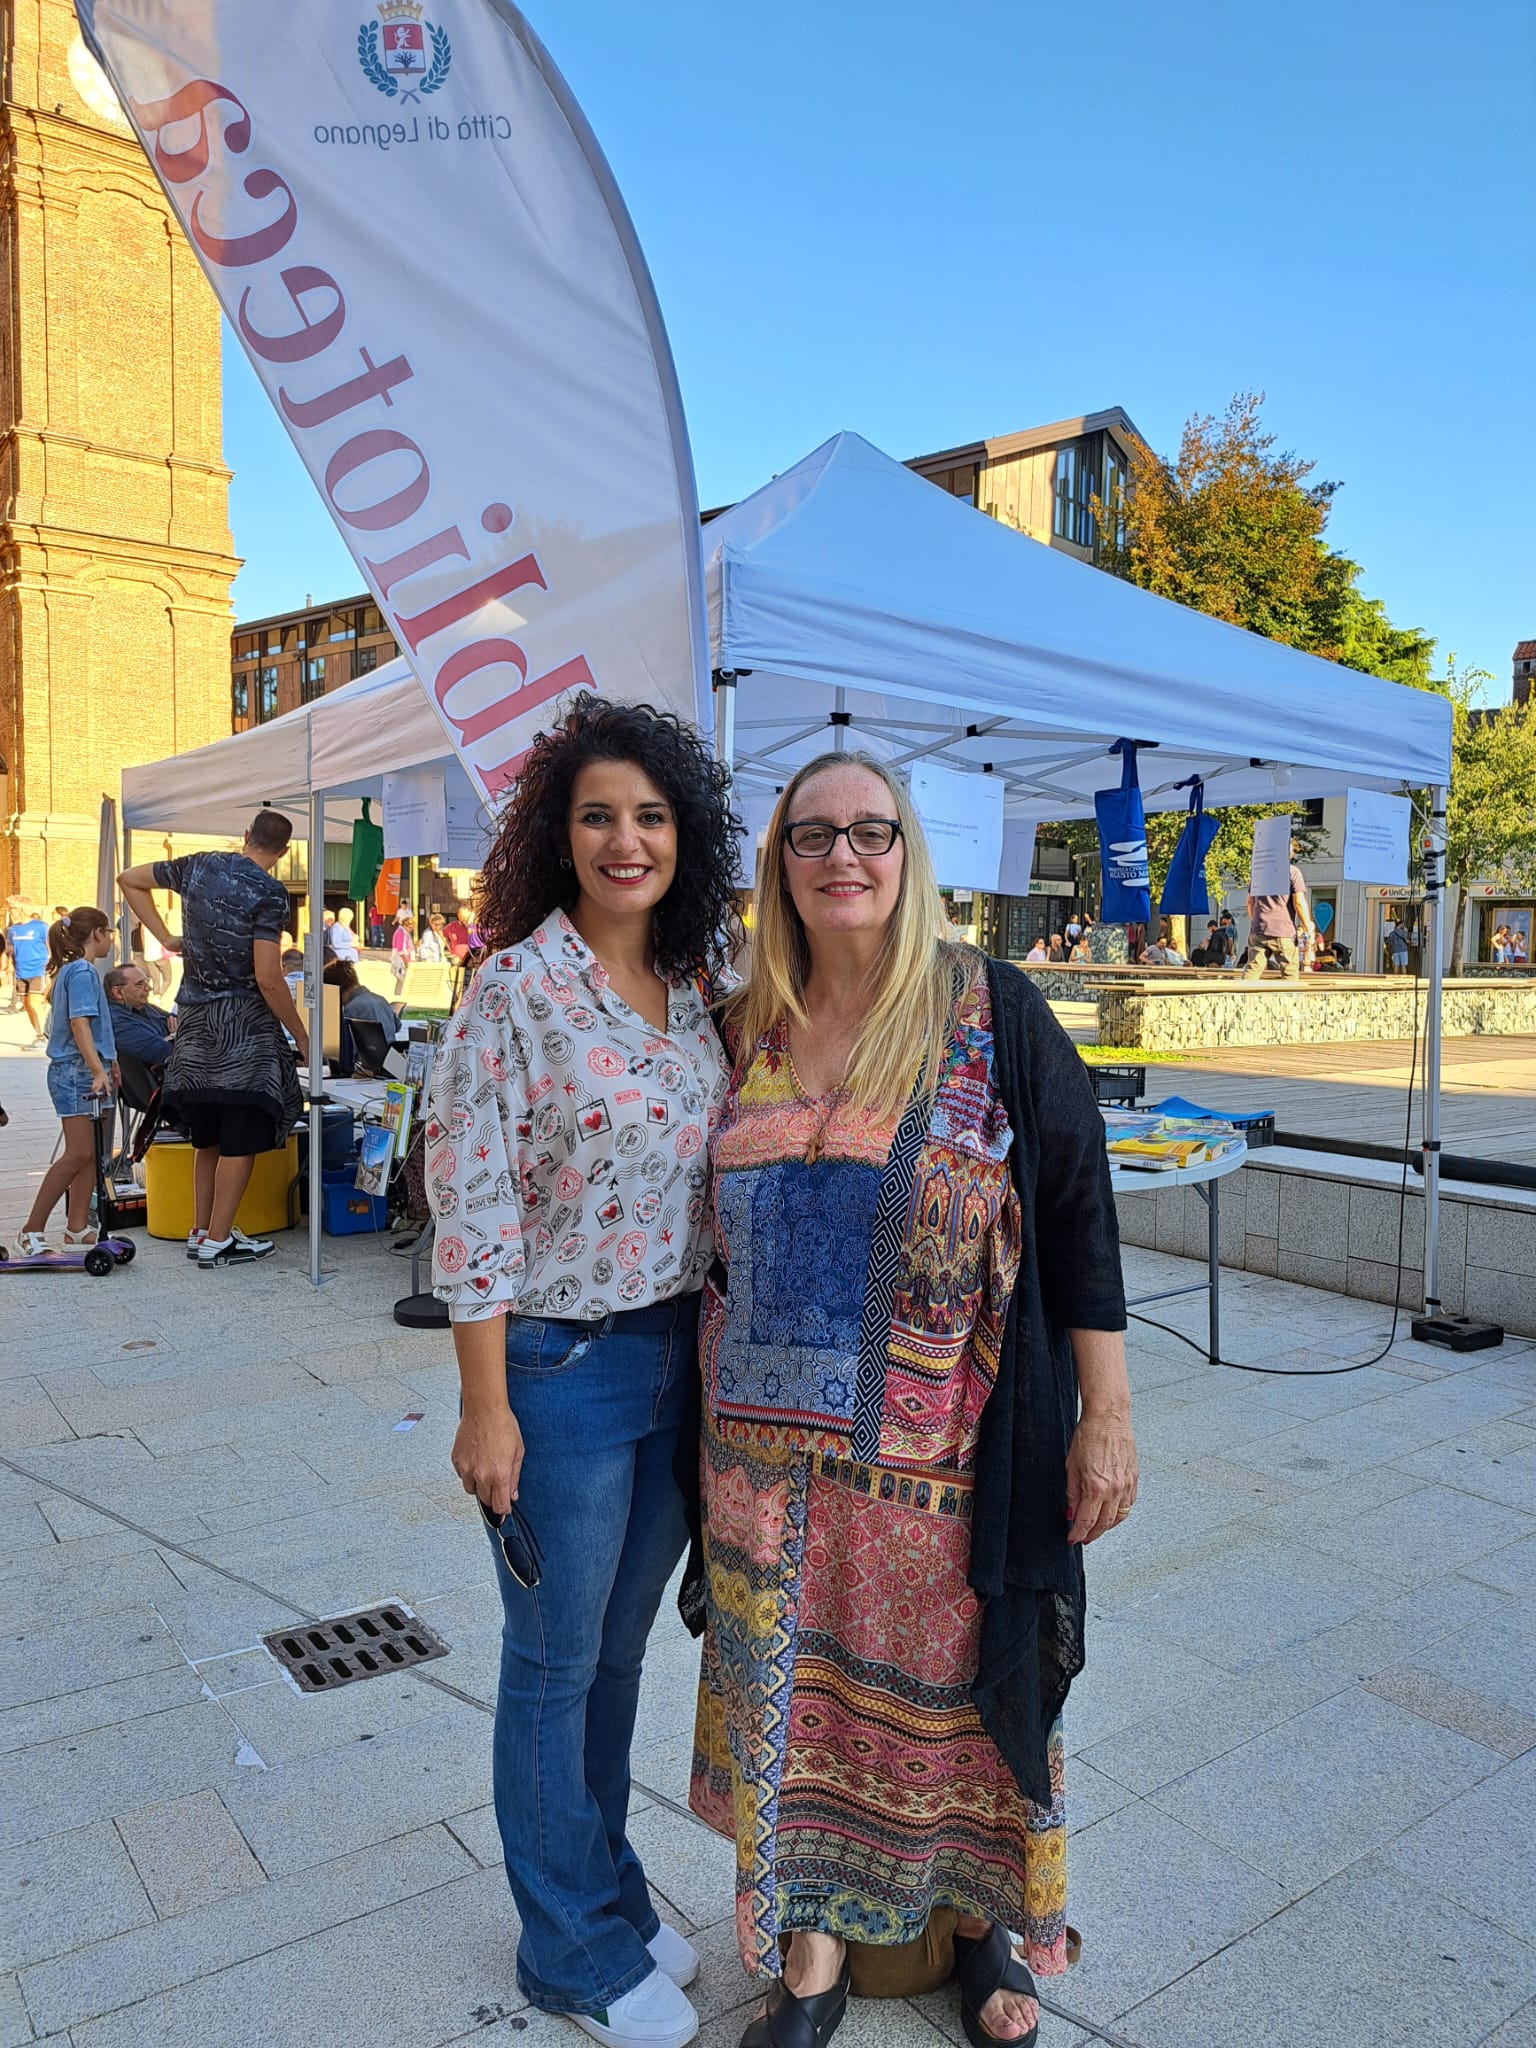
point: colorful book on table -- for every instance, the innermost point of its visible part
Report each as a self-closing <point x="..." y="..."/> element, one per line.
<point x="1154" y="1143"/>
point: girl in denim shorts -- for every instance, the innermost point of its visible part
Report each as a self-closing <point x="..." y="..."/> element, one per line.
<point x="82" y="1057"/>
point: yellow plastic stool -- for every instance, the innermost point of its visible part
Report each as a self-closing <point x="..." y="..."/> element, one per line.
<point x="263" y="1207"/>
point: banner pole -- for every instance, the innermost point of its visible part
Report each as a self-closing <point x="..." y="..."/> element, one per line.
<point x="314" y="969"/>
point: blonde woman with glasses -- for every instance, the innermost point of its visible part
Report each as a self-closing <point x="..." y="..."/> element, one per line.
<point x="916" y="1413"/>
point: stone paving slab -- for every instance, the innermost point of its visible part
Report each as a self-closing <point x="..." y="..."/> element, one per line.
<point x="1375" y="1959"/>
<point x="1269" y="1814"/>
<point x="188" y="1852"/>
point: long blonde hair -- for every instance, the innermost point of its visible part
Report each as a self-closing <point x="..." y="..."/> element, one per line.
<point x="916" y="978"/>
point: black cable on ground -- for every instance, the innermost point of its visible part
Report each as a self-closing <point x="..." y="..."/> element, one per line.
<point x="1328" y="1372"/>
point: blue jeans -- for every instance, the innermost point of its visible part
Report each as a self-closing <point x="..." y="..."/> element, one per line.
<point x="600" y="1406"/>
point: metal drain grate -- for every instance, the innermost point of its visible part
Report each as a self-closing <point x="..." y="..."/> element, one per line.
<point x="322" y="1656"/>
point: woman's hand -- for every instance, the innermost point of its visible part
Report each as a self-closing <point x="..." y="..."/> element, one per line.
<point x="1101" y="1474"/>
<point x="488" y="1456"/>
<point x="101" y="1081"/>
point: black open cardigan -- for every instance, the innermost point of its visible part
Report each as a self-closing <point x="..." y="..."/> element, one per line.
<point x="1028" y="1577"/>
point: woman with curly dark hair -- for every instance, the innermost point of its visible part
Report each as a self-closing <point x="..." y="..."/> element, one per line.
<point x="567" y="1161"/>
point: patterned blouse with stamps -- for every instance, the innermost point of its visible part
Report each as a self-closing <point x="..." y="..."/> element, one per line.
<point x="567" y="1139"/>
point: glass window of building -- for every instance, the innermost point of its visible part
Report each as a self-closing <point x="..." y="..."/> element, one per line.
<point x="240" y="703"/>
<point x="266" y="695"/>
<point x="313" y="678"/>
<point x="364" y="661"/>
<point x="1077" y="484"/>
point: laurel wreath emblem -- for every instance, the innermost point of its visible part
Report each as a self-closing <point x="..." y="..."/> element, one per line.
<point x="368" y="57"/>
<point x="373" y="69"/>
<point x="442" y="57"/>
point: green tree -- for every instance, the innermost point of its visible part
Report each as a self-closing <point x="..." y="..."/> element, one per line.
<point x="1491" y="817"/>
<point x="1234" y="527"/>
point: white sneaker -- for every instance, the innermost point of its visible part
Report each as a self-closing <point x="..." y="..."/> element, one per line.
<point x="654" y="2015"/>
<point x="677" y="1956"/>
<point x="236" y="1250"/>
<point x="195" y="1241"/>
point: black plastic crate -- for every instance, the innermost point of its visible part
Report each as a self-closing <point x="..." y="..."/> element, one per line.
<point x="1122" y="1087"/>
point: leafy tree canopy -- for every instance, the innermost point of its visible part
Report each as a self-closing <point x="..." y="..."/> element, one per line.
<point x="1234" y="527"/>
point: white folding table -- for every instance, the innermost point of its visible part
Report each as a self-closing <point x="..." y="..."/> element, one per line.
<point x="1206" y="1179"/>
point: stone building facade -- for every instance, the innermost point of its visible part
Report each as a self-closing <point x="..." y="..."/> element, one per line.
<point x="116" y="559"/>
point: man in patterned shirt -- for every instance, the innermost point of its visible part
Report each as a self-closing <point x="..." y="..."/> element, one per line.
<point x="232" y="1076"/>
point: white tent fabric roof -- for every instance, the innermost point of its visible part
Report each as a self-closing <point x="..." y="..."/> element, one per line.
<point x="854" y="590"/>
<point x="343" y="744"/>
<point x="851" y="585"/>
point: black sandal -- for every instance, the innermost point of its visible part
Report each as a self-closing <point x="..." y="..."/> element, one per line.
<point x="983" y="1968"/>
<point x="792" y="2022"/>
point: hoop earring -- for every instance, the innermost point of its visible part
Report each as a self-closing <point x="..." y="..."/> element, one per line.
<point x="565" y="860"/>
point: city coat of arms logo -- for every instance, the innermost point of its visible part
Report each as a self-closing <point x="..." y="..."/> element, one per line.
<point x="402" y="55"/>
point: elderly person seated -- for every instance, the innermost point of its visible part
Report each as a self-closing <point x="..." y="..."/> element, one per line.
<point x="340" y="938"/>
<point x="371" y="1020"/>
<point x="1163" y="952"/>
<point x="138" y="1026"/>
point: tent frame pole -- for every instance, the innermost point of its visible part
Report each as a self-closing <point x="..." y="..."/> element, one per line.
<point x="314" y="1002"/>
<point x="1434" y="895"/>
<point x="725" y="716"/>
<point x="124" y="912"/>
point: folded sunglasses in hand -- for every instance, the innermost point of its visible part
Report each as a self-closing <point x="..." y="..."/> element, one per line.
<point x="519" y="1546"/>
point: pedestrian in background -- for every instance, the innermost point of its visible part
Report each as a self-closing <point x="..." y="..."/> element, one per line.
<point x="27" y="937"/>
<point x="403" y="944"/>
<point x="1273" y="924"/>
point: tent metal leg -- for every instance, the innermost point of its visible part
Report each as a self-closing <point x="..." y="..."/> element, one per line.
<point x="725" y="715"/>
<point x="1434" y="890"/>
<point x="314" y="967"/>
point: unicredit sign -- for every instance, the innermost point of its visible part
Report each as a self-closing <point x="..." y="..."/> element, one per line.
<point x="415" y="235"/>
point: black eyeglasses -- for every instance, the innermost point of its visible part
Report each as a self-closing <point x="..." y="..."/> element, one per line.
<point x="813" y="841"/>
<point x="519" y="1546"/>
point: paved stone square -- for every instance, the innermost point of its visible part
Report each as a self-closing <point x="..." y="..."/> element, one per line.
<point x="1303" y="1758"/>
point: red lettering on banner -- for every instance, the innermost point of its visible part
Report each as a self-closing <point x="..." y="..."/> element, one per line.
<point x="377" y="381"/>
<point x="503" y="777"/>
<point x="181" y="166"/>
<point x="469" y="661"/>
<point x="442" y="547"/>
<point x="192" y="103"/>
<point x="570" y="675"/>
<point x="255" y="247"/>
<point x="356" y="454"/>
<point x="438" y="617"/>
<point x="313" y="335"/>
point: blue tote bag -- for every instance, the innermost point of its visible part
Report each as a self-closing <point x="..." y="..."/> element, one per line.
<point x="1184" y="892"/>
<point x="1127" y="884"/>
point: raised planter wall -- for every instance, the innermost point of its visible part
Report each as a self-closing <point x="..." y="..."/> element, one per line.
<point x="1295" y="1217"/>
<point x="1185" y="1017"/>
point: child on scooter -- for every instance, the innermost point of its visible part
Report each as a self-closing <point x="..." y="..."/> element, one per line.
<point x="82" y="1068"/>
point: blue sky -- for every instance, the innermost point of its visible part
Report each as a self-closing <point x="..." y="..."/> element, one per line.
<point x="935" y="224"/>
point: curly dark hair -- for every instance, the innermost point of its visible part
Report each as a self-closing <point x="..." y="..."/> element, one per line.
<point x="698" y="925"/>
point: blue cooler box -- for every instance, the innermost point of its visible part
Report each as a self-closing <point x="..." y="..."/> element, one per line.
<point x="345" y="1208"/>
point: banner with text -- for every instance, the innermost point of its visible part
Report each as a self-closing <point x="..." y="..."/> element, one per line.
<point x="416" y="237"/>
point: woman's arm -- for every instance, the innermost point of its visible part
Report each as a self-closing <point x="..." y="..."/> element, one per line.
<point x="488" y="1448"/>
<point x="80" y="1032"/>
<point x="1101" y="1460"/>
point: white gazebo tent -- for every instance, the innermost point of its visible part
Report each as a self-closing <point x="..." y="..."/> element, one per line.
<point x="852" y="602"/>
<point x="849" y="600"/>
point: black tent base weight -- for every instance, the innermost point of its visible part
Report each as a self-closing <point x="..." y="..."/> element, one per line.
<point x="1458" y="1333"/>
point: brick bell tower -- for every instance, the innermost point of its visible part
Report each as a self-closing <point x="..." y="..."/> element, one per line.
<point x="115" y="552"/>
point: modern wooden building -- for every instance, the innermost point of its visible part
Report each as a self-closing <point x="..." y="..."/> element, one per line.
<point x="1042" y="481"/>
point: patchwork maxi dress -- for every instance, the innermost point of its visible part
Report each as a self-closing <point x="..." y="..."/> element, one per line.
<point x="866" y="1264"/>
